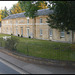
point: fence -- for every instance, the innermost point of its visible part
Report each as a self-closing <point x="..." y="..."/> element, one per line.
<point x="49" y="51"/>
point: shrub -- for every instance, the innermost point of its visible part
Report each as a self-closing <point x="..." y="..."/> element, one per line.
<point x="11" y="43"/>
<point x="73" y="46"/>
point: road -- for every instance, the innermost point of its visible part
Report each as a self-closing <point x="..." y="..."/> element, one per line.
<point x="7" y="68"/>
<point x="4" y="69"/>
<point x="16" y="66"/>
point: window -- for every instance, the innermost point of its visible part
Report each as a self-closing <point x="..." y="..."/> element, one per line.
<point x="27" y="32"/>
<point x="16" y="30"/>
<point x="11" y="30"/>
<point x="40" y="31"/>
<point x="6" y="21"/>
<point x="22" y="21"/>
<point x="22" y="31"/>
<point x="50" y="32"/>
<point x="27" y="20"/>
<point x="10" y="22"/>
<point x="62" y="34"/>
<point x="16" y="22"/>
<point x="7" y="29"/>
<point x="40" y="20"/>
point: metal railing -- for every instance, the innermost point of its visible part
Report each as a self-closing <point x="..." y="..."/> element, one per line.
<point x="49" y="51"/>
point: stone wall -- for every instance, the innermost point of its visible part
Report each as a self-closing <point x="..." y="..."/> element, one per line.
<point x="14" y="26"/>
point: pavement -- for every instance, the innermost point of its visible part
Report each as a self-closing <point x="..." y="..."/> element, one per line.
<point x="31" y="68"/>
<point x="5" y="69"/>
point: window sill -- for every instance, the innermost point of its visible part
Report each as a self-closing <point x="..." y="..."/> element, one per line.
<point x="41" y="35"/>
<point x="62" y="37"/>
<point x="50" y="36"/>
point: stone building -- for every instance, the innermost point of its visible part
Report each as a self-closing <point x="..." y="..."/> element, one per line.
<point x="36" y="28"/>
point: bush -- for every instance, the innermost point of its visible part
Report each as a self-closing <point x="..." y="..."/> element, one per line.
<point x="72" y="46"/>
<point x="11" y="43"/>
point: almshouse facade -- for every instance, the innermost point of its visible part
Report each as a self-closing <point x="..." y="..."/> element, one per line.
<point x="36" y="28"/>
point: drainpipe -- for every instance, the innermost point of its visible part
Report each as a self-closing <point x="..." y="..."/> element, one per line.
<point x="34" y="32"/>
<point x="72" y="36"/>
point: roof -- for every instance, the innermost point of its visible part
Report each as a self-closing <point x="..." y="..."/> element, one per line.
<point x="38" y="13"/>
<point x="44" y="12"/>
<point x="15" y="16"/>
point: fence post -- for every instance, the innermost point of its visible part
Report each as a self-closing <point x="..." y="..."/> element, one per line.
<point x="27" y="50"/>
<point x="1" y="44"/>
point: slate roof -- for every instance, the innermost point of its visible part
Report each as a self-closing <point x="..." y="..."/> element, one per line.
<point x="15" y="16"/>
<point x="38" y="13"/>
<point x="44" y="12"/>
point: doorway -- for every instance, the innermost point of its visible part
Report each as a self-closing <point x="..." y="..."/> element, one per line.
<point x="27" y="32"/>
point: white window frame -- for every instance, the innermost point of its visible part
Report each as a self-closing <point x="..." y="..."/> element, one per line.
<point x="21" y="30"/>
<point x="50" y="32"/>
<point x="40" y="20"/>
<point x="7" y="29"/>
<point x="7" y="21"/>
<point x="62" y="32"/>
<point x="27" y="21"/>
<point x="16" y="22"/>
<point x="11" y="22"/>
<point x="22" y="21"/>
<point x="28" y="34"/>
<point x="16" y="30"/>
<point x="41" y="32"/>
<point x="10" y="30"/>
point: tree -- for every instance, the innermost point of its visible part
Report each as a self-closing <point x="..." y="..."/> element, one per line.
<point x="0" y="16"/>
<point x="63" y="17"/>
<point x="31" y="7"/>
<point x="15" y="9"/>
<point x="43" y="5"/>
<point x="4" y="13"/>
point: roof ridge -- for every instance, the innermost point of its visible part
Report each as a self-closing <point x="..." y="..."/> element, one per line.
<point x="38" y="13"/>
<point x="43" y="9"/>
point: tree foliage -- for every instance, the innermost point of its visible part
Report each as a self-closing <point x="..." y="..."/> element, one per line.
<point x="4" y="13"/>
<point x="63" y="16"/>
<point x="16" y="9"/>
<point x="11" y="43"/>
<point x="31" y="7"/>
<point x="0" y="15"/>
<point x="43" y="5"/>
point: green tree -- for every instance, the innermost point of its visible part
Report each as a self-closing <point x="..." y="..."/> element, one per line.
<point x="15" y="9"/>
<point x="0" y="15"/>
<point x="63" y="17"/>
<point x="31" y="7"/>
<point x="4" y="13"/>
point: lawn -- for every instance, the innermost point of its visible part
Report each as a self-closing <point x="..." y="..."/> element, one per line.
<point x="44" y="48"/>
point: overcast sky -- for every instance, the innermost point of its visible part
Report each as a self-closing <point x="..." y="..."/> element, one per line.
<point x="8" y="4"/>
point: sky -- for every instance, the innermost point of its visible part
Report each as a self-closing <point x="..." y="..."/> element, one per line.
<point x="8" y="4"/>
